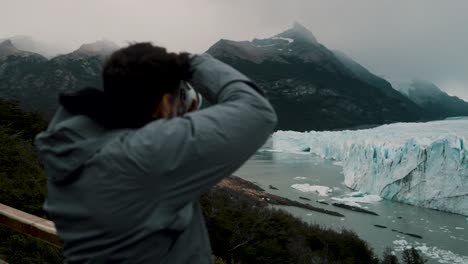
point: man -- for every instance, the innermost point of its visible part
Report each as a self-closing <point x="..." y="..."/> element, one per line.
<point x="125" y="172"/>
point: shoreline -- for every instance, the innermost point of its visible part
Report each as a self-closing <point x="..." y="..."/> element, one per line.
<point x="238" y="184"/>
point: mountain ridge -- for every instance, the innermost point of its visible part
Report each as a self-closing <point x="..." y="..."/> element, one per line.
<point x="435" y="102"/>
<point x="310" y="88"/>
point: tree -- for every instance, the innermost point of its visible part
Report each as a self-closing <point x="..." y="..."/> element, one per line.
<point x="412" y="256"/>
<point x="389" y="258"/>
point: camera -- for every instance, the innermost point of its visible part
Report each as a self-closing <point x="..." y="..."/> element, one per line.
<point x="186" y="95"/>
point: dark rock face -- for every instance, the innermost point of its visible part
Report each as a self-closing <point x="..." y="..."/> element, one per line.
<point x="380" y="226"/>
<point x="408" y="234"/>
<point x="310" y="88"/>
<point x="354" y="208"/>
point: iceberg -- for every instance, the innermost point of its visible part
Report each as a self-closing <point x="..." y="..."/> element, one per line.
<point x="423" y="164"/>
<point x="300" y="178"/>
<point x="364" y="199"/>
<point x="320" y="190"/>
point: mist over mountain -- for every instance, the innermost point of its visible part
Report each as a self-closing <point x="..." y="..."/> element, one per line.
<point x="435" y="103"/>
<point x="27" y="43"/>
<point x="310" y="87"/>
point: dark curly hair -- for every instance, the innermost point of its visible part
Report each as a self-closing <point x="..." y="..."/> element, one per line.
<point x="134" y="80"/>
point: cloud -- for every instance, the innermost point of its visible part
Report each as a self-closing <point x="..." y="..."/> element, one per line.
<point x="424" y="39"/>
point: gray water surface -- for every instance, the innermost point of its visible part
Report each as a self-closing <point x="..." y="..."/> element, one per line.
<point x="445" y="235"/>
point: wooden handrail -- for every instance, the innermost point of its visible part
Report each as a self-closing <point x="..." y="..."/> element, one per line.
<point x="29" y="224"/>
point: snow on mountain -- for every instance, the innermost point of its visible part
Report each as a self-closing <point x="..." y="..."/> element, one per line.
<point x="423" y="164"/>
<point x="298" y="32"/>
<point x="290" y="40"/>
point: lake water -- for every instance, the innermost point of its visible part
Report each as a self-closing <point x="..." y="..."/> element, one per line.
<point x="445" y="236"/>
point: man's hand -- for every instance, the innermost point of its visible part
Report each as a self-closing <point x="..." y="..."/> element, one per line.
<point x="193" y="106"/>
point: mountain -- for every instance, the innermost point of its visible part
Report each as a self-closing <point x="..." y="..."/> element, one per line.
<point x="36" y="81"/>
<point x="385" y="86"/>
<point x="310" y="87"/>
<point x="27" y="43"/>
<point x="18" y="69"/>
<point x="100" y="48"/>
<point x="8" y="49"/>
<point x="435" y="103"/>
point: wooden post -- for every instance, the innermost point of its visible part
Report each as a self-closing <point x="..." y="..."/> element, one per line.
<point x="29" y="224"/>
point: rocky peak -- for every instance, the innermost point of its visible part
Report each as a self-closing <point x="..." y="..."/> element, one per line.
<point x="100" y="47"/>
<point x="292" y="45"/>
<point x="237" y="49"/>
<point x="7" y="46"/>
<point x="298" y="32"/>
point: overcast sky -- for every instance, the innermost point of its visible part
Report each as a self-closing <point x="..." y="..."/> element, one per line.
<point x="425" y="39"/>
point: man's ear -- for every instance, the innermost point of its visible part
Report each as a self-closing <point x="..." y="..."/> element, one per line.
<point x="163" y="110"/>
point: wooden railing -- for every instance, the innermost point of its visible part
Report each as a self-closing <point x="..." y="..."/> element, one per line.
<point x="28" y="224"/>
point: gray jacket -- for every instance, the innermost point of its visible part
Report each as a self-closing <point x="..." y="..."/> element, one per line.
<point x="130" y="195"/>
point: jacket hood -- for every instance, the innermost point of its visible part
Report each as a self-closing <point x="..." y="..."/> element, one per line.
<point x="69" y="141"/>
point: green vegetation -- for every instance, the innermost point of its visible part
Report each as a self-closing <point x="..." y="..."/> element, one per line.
<point x="23" y="183"/>
<point x="14" y="121"/>
<point x="21" y="249"/>
<point x="241" y="230"/>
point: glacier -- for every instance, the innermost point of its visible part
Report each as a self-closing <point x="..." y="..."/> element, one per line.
<point x="422" y="164"/>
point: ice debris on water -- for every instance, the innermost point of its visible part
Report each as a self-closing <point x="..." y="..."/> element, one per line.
<point x="441" y="255"/>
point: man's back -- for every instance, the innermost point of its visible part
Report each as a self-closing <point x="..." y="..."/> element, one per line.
<point x="130" y="195"/>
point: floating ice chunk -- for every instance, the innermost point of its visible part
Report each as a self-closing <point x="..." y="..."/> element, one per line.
<point x="459" y="228"/>
<point x="364" y="199"/>
<point x="305" y="187"/>
<point x="270" y="150"/>
<point x="401" y="242"/>
<point x="351" y="203"/>
<point x="338" y="163"/>
<point x="300" y="178"/>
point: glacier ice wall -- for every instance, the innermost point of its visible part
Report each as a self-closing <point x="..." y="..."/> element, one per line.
<point x="423" y="164"/>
